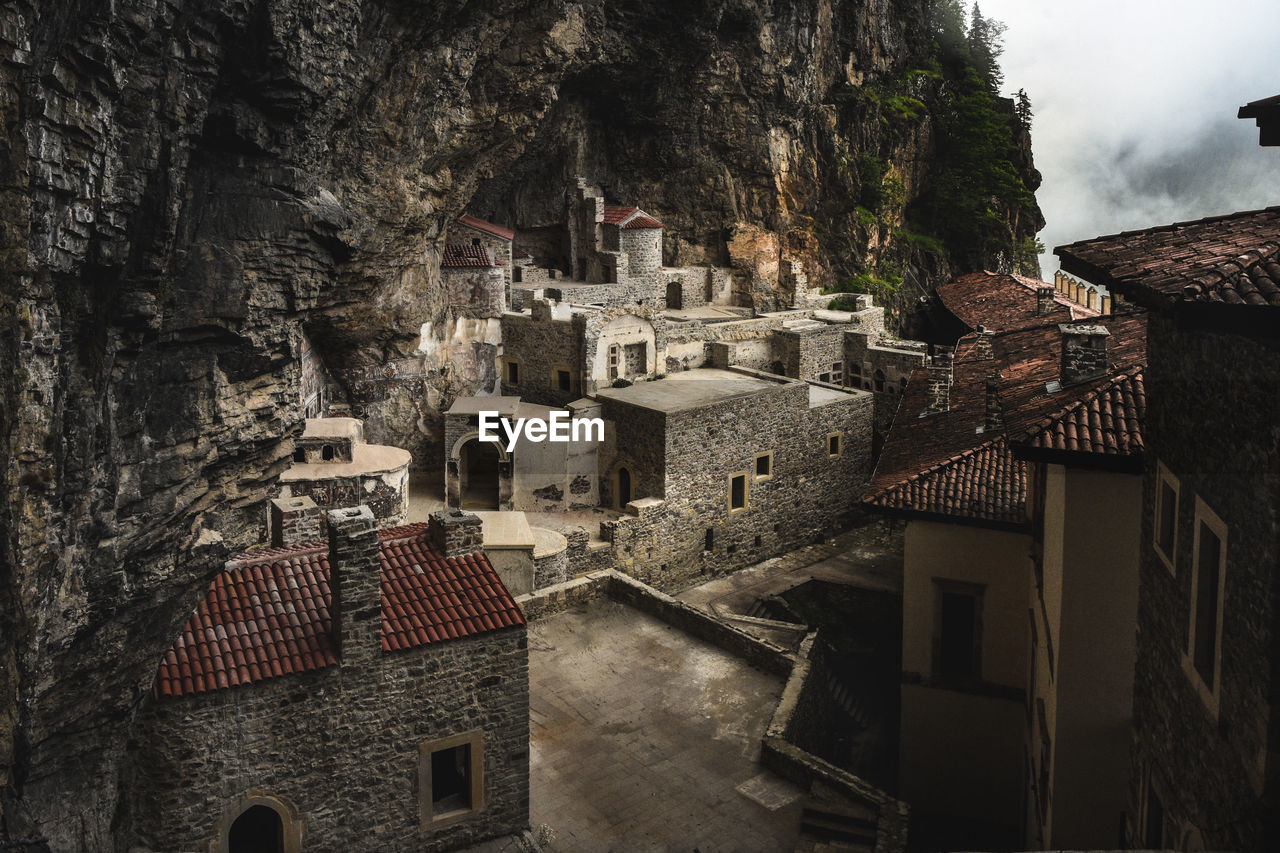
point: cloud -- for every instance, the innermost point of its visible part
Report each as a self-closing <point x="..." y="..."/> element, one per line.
<point x="1135" y="105"/>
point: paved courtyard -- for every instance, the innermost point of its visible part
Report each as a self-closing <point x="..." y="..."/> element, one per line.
<point x="643" y="738"/>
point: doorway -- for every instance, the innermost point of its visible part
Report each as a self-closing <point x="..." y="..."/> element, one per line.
<point x="622" y="490"/>
<point x="675" y="296"/>
<point x="478" y="474"/>
<point x="257" y="830"/>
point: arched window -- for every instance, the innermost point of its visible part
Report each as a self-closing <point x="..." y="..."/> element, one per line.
<point x="623" y="493"/>
<point x="258" y="829"/>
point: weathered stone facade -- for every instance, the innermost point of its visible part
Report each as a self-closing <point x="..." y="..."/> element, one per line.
<point x="1214" y="773"/>
<point x="334" y="467"/>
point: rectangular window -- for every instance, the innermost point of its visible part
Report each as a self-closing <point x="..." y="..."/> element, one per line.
<point x="737" y="492"/>
<point x="1203" y="658"/>
<point x="957" y="641"/>
<point x="613" y="361"/>
<point x="764" y="466"/>
<point x="1166" y="522"/>
<point x="513" y="373"/>
<point x="450" y="778"/>
<point x="837" y="372"/>
<point x="833" y="444"/>
<point x="824" y="377"/>
<point x="564" y="380"/>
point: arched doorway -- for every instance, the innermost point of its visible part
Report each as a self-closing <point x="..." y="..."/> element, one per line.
<point x="675" y="296"/>
<point x="622" y="486"/>
<point x="258" y="829"/>
<point x="478" y="473"/>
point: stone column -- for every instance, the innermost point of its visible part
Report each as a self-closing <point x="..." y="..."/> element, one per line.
<point x="355" y="577"/>
<point x="294" y="521"/>
<point x="455" y="532"/>
<point x="939" y="390"/>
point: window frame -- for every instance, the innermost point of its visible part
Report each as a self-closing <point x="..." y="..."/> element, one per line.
<point x="746" y="491"/>
<point x="1210" y="694"/>
<point x="755" y="468"/>
<point x="473" y="739"/>
<point x="1163" y="476"/>
<point x="837" y="372"/>
<point x="555" y="378"/>
<point x="507" y="364"/>
<point x="838" y="435"/>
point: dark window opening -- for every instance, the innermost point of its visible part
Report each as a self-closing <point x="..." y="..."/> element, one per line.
<point x="564" y="380"/>
<point x="1204" y="655"/>
<point x="513" y="373"/>
<point x="759" y="540"/>
<point x="709" y="540"/>
<point x="517" y="274"/>
<point x="326" y="452"/>
<point x="257" y="830"/>
<point x="957" y="654"/>
<point x="738" y="492"/>
<point x="824" y="377"/>
<point x="764" y="465"/>
<point x="451" y="779"/>
<point x="833" y="445"/>
<point x="299" y="455"/>
<point x="624" y="487"/>
<point x="1168" y="518"/>
<point x="475" y="241"/>
<point x="878" y="376"/>
<point x="732" y="549"/>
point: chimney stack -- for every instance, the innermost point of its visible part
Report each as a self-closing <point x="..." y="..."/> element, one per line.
<point x="939" y="390"/>
<point x="982" y="347"/>
<point x="995" y="418"/>
<point x="1044" y="301"/>
<point x="455" y="531"/>
<point x="355" y="577"/>
<point x="294" y="521"/>
<point x="1084" y="352"/>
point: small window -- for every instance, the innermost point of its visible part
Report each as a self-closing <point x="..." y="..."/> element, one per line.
<point x="957" y="637"/>
<point x="824" y="377"/>
<point x="837" y="373"/>
<point x="513" y="373"/>
<point x="709" y="540"/>
<point x="475" y="241"/>
<point x="517" y="274"/>
<point x="879" y="380"/>
<point x="299" y="454"/>
<point x="1166" y="533"/>
<point x="833" y="444"/>
<point x="855" y="369"/>
<point x="326" y="453"/>
<point x="737" y="492"/>
<point x="764" y="466"/>
<point x="1203" y="658"/>
<point x="564" y="380"/>
<point x="613" y="361"/>
<point x="451" y="778"/>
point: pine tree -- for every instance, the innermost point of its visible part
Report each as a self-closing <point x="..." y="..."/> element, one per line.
<point x="1022" y="109"/>
<point x="985" y="48"/>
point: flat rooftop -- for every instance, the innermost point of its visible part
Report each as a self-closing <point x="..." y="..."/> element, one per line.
<point x="690" y="389"/>
<point x="819" y="396"/>
<point x="504" y="406"/>
<point x="366" y="459"/>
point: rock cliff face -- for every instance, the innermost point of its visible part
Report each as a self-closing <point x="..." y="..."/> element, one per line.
<point x="187" y="187"/>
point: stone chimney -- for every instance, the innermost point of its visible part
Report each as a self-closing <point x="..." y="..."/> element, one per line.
<point x="939" y="390"/>
<point x="995" y="418"/>
<point x="1084" y="352"/>
<point x="982" y="347"/>
<point x="455" y="531"/>
<point x="294" y="521"/>
<point x="355" y="577"/>
<point x="1044" y="301"/>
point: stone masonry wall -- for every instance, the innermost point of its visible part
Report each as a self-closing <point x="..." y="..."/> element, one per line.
<point x="475" y="291"/>
<point x="340" y="746"/>
<point x="541" y="346"/>
<point x="806" y="497"/>
<point x="806" y="353"/>
<point x="385" y="492"/>
<point x="643" y="248"/>
<point x="1213" y="405"/>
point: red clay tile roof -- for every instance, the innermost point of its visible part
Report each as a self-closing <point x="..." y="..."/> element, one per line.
<point x="1226" y="259"/>
<point x="1107" y="420"/>
<point x="628" y="217"/>
<point x="465" y="256"/>
<point x="642" y="221"/>
<point x="949" y="464"/>
<point x="616" y="214"/>
<point x="984" y="482"/>
<point x="487" y="227"/>
<point x="1003" y="302"/>
<point x="268" y="615"/>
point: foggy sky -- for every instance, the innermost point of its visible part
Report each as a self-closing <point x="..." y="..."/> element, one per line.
<point x="1135" y="109"/>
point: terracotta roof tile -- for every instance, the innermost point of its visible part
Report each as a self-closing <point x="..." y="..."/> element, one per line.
<point x="1003" y="302"/>
<point x="642" y="221"/>
<point x="1225" y="259"/>
<point x="465" y="256"/>
<point x="1108" y="420"/>
<point x="949" y="463"/>
<point x="487" y="227"/>
<point x="267" y="614"/>
<point x="627" y="216"/>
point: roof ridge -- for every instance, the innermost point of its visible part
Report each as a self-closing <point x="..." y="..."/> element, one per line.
<point x="1088" y="397"/>
<point x="950" y="460"/>
<point x="1206" y="220"/>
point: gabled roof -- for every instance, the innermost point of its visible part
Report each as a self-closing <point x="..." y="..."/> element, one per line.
<point x="465" y="256"/>
<point x="626" y="216"/>
<point x="268" y="615"/>
<point x="1002" y="302"/>
<point x="487" y="227"/>
<point x="1228" y="259"/>
<point x="1106" y="420"/>
<point x="948" y="464"/>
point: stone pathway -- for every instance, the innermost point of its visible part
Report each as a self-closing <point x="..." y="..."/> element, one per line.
<point x="644" y="738"/>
